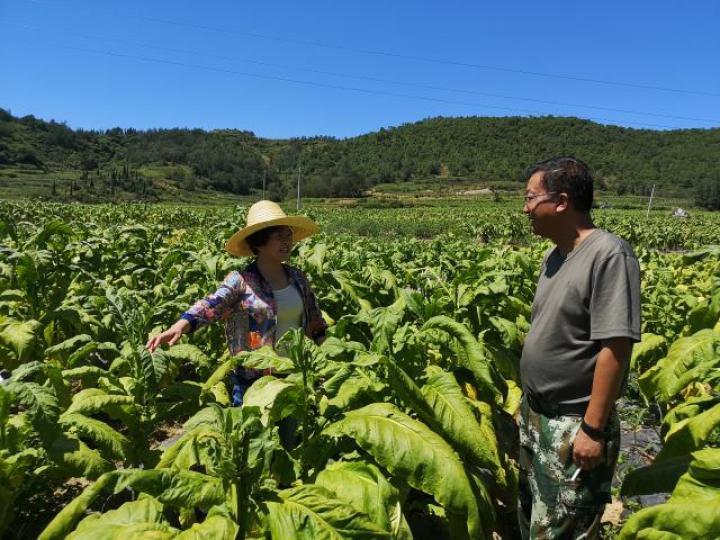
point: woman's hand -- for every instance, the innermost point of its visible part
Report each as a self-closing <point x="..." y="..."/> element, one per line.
<point x="169" y="336"/>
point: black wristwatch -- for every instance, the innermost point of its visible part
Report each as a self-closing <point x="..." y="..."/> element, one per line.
<point x="592" y="432"/>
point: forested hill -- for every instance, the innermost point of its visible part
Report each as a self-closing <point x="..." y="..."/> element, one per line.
<point x="489" y="150"/>
<point x="494" y="149"/>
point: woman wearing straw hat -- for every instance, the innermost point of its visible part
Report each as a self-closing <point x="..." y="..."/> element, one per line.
<point x="263" y="301"/>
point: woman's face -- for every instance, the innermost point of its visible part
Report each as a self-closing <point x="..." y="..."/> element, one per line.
<point x="278" y="246"/>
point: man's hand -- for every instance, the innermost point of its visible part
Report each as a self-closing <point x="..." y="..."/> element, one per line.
<point x="609" y="369"/>
<point x="587" y="452"/>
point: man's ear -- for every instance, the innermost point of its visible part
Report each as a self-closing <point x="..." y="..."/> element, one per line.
<point x="563" y="203"/>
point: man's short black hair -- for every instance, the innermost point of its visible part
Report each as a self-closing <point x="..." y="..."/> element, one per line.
<point x="260" y="238"/>
<point x="566" y="174"/>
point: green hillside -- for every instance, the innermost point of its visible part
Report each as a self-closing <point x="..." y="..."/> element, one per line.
<point x="193" y="164"/>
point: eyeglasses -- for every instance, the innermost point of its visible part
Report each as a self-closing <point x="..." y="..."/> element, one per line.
<point x="530" y="198"/>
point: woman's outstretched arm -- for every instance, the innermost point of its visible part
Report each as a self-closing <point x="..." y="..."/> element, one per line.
<point x="213" y="307"/>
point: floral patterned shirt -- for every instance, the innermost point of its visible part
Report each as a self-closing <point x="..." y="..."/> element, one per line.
<point x="246" y="303"/>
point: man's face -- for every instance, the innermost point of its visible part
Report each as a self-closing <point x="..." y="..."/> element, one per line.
<point x="540" y="206"/>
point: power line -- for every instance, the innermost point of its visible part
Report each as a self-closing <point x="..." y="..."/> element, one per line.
<point x="387" y="54"/>
<point x="337" y="87"/>
<point x="374" y="79"/>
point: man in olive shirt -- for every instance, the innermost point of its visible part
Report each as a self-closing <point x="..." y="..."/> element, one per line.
<point x="585" y="318"/>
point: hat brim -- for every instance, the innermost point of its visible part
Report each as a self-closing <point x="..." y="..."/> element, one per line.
<point x="301" y="226"/>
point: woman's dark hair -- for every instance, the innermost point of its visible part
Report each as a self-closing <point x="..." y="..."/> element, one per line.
<point x="260" y="238"/>
<point x="567" y="175"/>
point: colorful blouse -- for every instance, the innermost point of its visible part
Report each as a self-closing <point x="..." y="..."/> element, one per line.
<point x="246" y="303"/>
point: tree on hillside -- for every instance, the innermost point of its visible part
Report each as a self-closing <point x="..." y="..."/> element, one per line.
<point x="707" y="193"/>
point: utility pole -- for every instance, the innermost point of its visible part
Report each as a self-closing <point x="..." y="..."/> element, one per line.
<point x="652" y="194"/>
<point x="264" y="180"/>
<point x="297" y="204"/>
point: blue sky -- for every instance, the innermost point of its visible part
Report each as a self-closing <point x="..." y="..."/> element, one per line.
<point x="308" y="68"/>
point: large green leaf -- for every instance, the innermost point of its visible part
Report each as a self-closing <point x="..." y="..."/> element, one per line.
<point x="410" y="394"/>
<point x="686" y="410"/>
<point x="341" y="349"/>
<point x="705" y="465"/>
<point x="42" y="372"/>
<point x="210" y="441"/>
<point x="179" y="400"/>
<point x="206" y="446"/>
<point x="63" y="349"/>
<point x="219" y="393"/>
<point x="94" y="400"/>
<point x="65" y="520"/>
<point x="214" y="417"/>
<point x="135" y="519"/>
<point x="185" y="452"/>
<point x="349" y="287"/>
<point x="363" y="486"/>
<point x="458" y="422"/>
<point x="79" y="356"/>
<point x="22" y="337"/>
<point x="276" y="398"/>
<point x="383" y="322"/>
<point x="88" y="375"/>
<point x="413" y="452"/>
<point x="705" y="315"/>
<point x="184" y="352"/>
<point x="133" y="531"/>
<point x="219" y="375"/>
<point x="689" y="359"/>
<point x="41" y="407"/>
<point x="442" y="405"/>
<point x="29" y="371"/>
<point x="213" y="528"/>
<point x="702" y="480"/>
<point x="174" y="487"/>
<point x="360" y="387"/>
<point x="56" y="227"/>
<point x="26" y="269"/>
<point x="313" y="513"/>
<point x="316" y="259"/>
<point x="491" y="384"/>
<point x="339" y="374"/>
<point x="111" y="443"/>
<point x="11" y="296"/>
<point x="681" y="521"/>
<point x="155" y="367"/>
<point x="647" y="353"/>
<point x="75" y="458"/>
<point x="265" y="358"/>
<point x="513" y="398"/>
<point x="690" y="434"/>
<point x="691" y="512"/>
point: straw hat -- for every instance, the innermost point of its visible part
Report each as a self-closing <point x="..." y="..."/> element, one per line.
<point x="265" y="214"/>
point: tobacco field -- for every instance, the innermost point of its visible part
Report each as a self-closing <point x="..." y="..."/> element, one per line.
<point x="405" y="413"/>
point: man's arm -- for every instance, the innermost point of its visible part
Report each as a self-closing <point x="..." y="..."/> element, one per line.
<point x="610" y="369"/>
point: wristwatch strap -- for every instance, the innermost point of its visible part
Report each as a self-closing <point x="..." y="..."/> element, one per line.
<point x="592" y="432"/>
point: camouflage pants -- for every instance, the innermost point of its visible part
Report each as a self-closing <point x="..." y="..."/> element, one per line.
<point x="551" y="504"/>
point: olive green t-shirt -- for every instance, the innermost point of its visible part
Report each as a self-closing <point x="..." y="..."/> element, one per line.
<point x="591" y="295"/>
